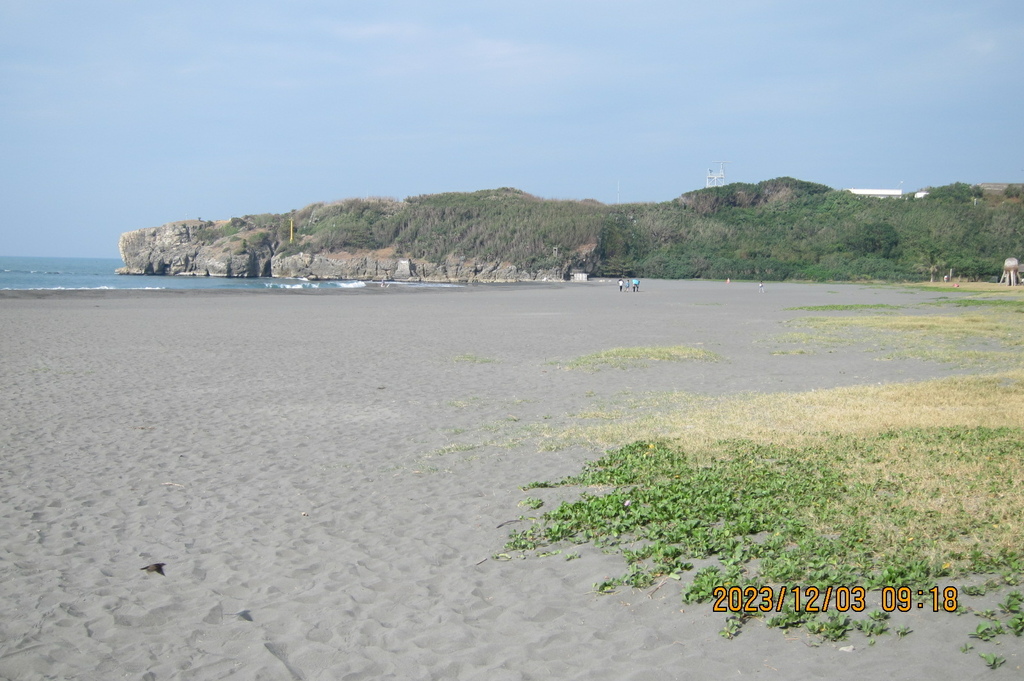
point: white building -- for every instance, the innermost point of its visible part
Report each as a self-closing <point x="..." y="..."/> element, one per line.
<point x="878" y="193"/>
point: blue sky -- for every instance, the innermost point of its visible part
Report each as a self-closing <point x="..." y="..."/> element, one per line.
<point x="121" y="114"/>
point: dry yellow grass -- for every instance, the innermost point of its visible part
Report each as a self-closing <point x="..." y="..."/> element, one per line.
<point x="801" y="418"/>
<point x="985" y="334"/>
<point x="973" y="287"/>
<point x="959" y="501"/>
<point x="982" y="327"/>
<point x="625" y="358"/>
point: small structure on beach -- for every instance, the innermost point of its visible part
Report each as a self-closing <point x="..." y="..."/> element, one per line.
<point x="1011" y="272"/>
<point x="403" y="270"/>
<point x="580" y="276"/>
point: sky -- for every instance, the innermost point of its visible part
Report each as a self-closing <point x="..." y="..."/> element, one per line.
<point x="121" y="114"/>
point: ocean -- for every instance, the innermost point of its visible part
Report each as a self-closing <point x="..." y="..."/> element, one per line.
<point x="99" y="273"/>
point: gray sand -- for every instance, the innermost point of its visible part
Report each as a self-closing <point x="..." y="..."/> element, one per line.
<point x="308" y="466"/>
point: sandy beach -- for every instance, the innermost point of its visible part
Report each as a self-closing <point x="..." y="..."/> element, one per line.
<point x="324" y="474"/>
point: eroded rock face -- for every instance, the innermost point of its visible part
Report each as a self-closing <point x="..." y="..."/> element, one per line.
<point x="366" y="267"/>
<point x="168" y="249"/>
<point x="468" y="269"/>
<point x="253" y="262"/>
<point x="176" y="249"/>
<point x="333" y="266"/>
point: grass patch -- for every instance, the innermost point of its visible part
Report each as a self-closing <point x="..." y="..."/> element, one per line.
<point x="898" y="485"/>
<point x="474" y="359"/>
<point x="1002" y="305"/>
<point x="844" y="308"/>
<point x="954" y="327"/>
<point x="977" y="339"/>
<point x="627" y="358"/>
<point x="971" y="287"/>
<point x="454" y="447"/>
<point x="822" y="339"/>
<point x="902" y="507"/>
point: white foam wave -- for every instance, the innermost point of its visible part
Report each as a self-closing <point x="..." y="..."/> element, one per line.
<point x="305" y="283"/>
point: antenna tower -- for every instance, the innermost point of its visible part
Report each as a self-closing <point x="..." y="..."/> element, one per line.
<point x="716" y="179"/>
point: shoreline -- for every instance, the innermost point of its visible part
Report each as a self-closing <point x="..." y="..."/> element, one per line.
<point x="391" y="288"/>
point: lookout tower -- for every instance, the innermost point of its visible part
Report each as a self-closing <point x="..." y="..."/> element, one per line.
<point x="716" y="179"/>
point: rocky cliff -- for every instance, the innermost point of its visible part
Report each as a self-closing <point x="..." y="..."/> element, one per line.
<point x="176" y="248"/>
<point x="370" y="265"/>
<point x="197" y="248"/>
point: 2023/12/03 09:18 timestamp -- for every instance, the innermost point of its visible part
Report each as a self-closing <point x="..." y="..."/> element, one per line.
<point x="829" y="598"/>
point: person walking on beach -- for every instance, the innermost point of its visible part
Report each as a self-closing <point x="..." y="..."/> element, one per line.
<point x="621" y="284"/>
<point x="636" y="285"/>
<point x="760" y="287"/>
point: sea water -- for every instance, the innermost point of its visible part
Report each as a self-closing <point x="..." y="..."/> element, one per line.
<point x="100" y="273"/>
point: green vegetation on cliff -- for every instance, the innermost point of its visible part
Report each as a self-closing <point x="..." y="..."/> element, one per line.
<point x="776" y="229"/>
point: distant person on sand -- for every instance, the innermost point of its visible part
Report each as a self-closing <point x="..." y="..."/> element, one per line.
<point x="636" y="285"/>
<point x="760" y="287"/>
<point x="621" y="284"/>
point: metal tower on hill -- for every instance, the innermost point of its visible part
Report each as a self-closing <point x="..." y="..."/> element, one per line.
<point x="716" y="179"/>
